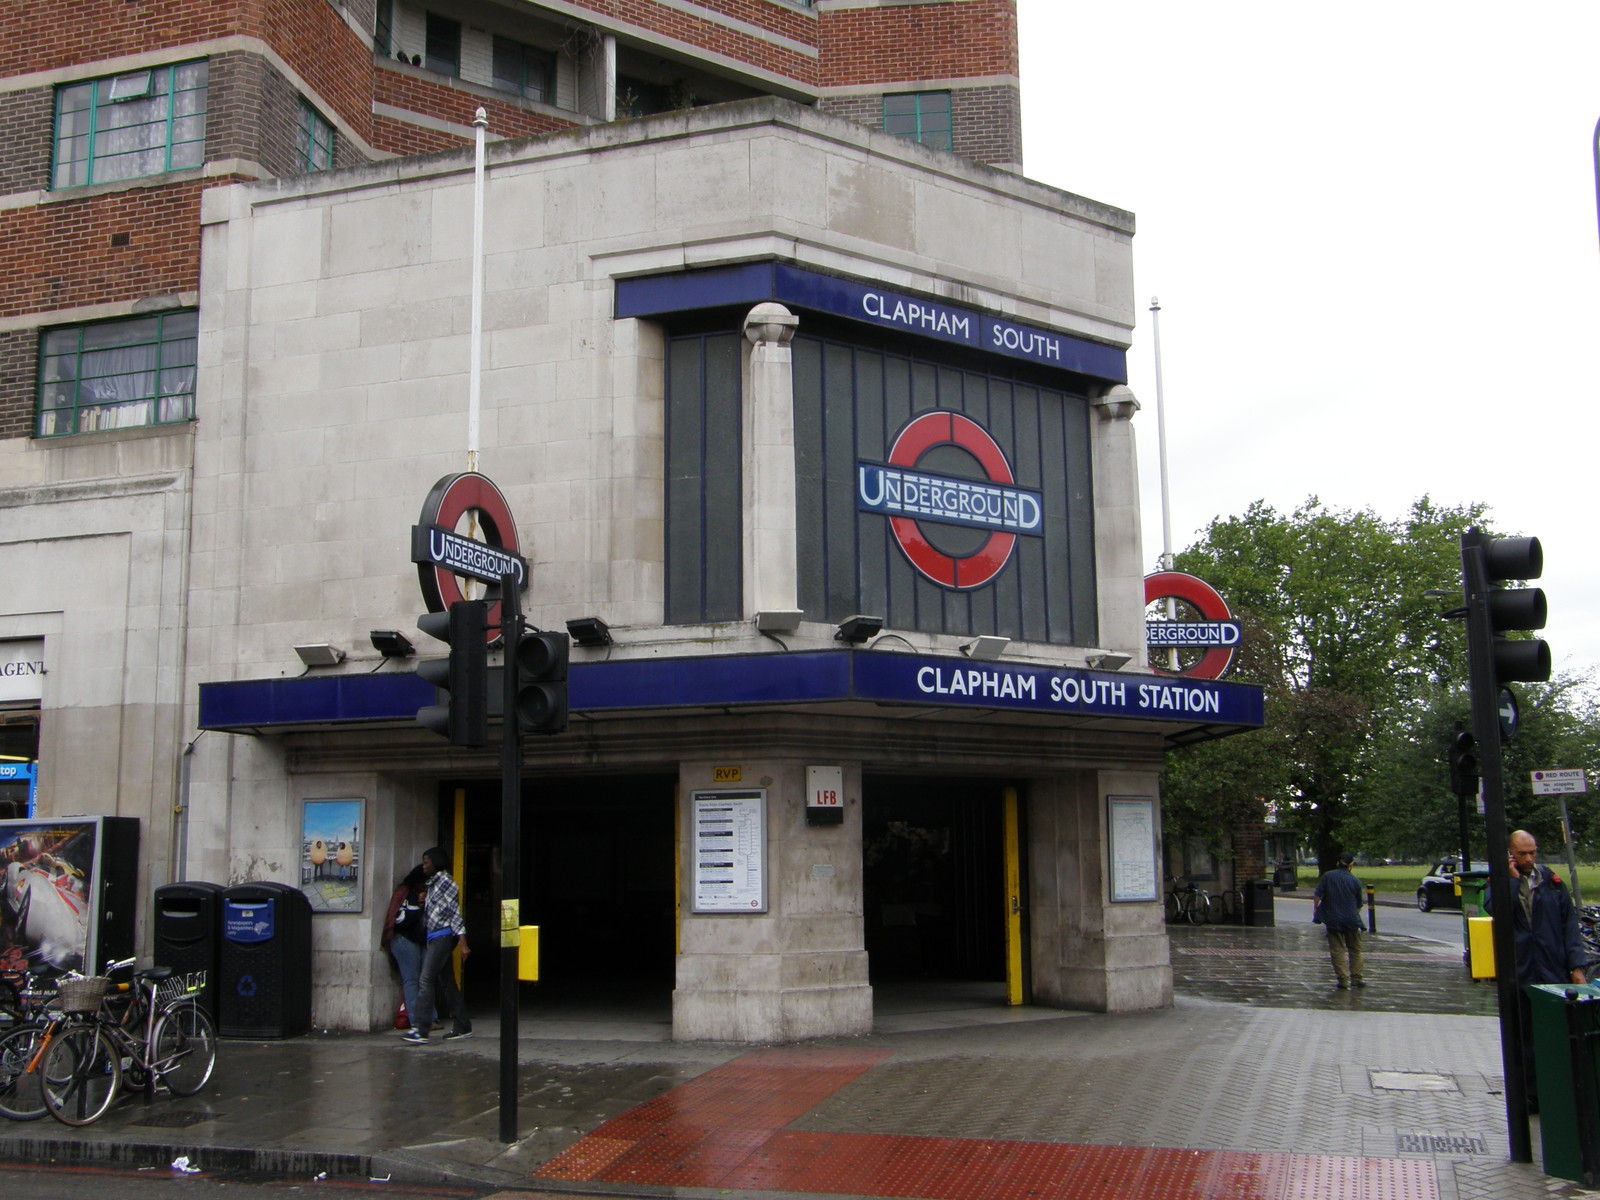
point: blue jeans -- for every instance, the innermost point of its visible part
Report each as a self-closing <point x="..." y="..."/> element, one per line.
<point x="408" y="957"/>
<point x="437" y="979"/>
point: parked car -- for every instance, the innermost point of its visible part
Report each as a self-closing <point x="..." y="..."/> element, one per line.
<point x="1438" y="887"/>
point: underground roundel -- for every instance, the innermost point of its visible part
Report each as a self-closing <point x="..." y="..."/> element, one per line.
<point x="1202" y="649"/>
<point x="466" y="530"/>
<point x="951" y="499"/>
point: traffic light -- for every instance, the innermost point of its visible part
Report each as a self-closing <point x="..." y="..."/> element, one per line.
<point x="1522" y="660"/>
<point x="1463" y="756"/>
<point x="464" y="718"/>
<point x="541" y="666"/>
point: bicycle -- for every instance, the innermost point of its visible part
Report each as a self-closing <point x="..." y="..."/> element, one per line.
<point x="160" y="1036"/>
<point x="1189" y="902"/>
<point x="20" y="1096"/>
<point x="1228" y="907"/>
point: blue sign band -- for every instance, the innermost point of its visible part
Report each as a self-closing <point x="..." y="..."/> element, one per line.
<point x="689" y="291"/>
<point x="896" y="492"/>
<point x="440" y="547"/>
<point x="1168" y="634"/>
<point x="812" y="677"/>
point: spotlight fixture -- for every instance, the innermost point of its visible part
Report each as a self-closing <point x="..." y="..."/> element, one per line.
<point x="1107" y="660"/>
<point x="858" y="629"/>
<point x="988" y="647"/>
<point x="319" y="654"/>
<point x="783" y="620"/>
<point x="589" y="631"/>
<point x="391" y="643"/>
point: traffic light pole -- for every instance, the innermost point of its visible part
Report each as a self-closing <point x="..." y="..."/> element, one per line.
<point x="1485" y="690"/>
<point x="510" y="859"/>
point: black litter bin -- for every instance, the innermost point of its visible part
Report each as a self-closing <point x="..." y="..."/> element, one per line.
<point x="188" y="934"/>
<point x="265" y="985"/>
<point x="1286" y="877"/>
<point x="1258" y="901"/>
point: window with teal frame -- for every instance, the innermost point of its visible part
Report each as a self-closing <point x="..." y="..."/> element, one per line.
<point x="117" y="374"/>
<point x="921" y="116"/>
<point x="313" y="140"/>
<point x="126" y="126"/>
<point x="442" y="47"/>
<point x="524" y="70"/>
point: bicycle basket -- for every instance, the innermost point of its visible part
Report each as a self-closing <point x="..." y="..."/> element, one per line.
<point x="82" y="995"/>
<point x="175" y="986"/>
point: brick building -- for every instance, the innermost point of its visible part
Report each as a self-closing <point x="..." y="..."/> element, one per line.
<point x="740" y="256"/>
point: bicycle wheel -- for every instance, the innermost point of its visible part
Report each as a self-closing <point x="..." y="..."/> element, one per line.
<point x="185" y="1049"/>
<point x="1198" y="908"/>
<point x="82" y="1072"/>
<point x="21" y="1098"/>
<point x="1174" y="908"/>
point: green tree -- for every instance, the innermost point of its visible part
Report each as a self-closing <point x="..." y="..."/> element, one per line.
<point x="1340" y="598"/>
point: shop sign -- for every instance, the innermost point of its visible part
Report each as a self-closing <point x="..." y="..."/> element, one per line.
<point x="908" y="496"/>
<point x="443" y="555"/>
<point x="1217" y="635"/>
<point x="22" y="669"/>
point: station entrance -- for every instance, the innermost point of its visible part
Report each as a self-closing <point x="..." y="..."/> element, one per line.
<point x="935" y="898"/>
<point x="598" y="855"/>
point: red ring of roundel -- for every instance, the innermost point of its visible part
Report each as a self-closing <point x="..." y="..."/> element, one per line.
<point x="464" y="492"/>
<point x="915" y="440"/>
<point x="1214" y="663"/>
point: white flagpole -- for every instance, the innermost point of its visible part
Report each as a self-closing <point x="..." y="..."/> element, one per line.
<point x="1161" y="443"/>
<point x="475" y="372"/>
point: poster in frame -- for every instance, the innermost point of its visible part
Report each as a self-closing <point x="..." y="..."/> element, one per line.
<point x="56" y="874"/>
<point x="332" y="833"/>
<point x="1133" y="848"/>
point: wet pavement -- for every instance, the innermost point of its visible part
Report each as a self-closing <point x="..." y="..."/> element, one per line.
<point x="1264" y="1081"/>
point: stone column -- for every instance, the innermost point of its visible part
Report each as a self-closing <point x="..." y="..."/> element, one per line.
<point x="1118" y="546"/>
<point x="1087" y="952"/>
<point x="771" y="570"/>
<point x="799" y="969"/>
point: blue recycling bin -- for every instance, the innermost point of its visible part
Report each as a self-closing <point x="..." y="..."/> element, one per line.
<point x="265" y="985"/>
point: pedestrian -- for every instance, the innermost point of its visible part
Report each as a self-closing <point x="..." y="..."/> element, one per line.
<point x="405" y="938"/>
<point x="1549" y="947"/>
<point x="1336" y="906"/>
<point x="445" y="930"/>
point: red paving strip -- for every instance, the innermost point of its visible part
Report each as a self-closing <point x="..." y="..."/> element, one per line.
<point x="1209" y="953"/>
<point x="726" y="1129"/>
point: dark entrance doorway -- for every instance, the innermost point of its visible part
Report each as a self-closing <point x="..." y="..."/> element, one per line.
<point x="934" y="886"/>
<point x="598" y="859"/>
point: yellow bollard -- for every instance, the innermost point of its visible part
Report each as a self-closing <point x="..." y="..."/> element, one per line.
<point x="528" y="954"/>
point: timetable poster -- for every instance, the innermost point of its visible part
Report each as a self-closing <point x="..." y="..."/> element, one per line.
<point x="730" y="851"/>
<point x="1133" y="848"/>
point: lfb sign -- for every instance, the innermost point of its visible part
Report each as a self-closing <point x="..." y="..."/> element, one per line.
<point x="1207" y="646"/>
<point x="912" y="495"/>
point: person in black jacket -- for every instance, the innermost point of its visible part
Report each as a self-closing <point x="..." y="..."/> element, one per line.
<point x="1336" y="906"/>
<point x="1549" y="947"/>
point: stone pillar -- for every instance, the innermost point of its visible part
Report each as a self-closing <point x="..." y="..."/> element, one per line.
<point x="1087" y="952"/>
<point x="1118" y="546"/>
<point x="771" y="559"/>
<point x="798" y="970"/>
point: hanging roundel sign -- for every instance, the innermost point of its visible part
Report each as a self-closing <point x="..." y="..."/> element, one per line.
<point x="1210" y="642"/>
<point x="486" y="551"/>
<point x="909" y="496"/>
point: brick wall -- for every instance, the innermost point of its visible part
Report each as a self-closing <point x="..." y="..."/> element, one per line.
<point x="26" y="123"/>
<point x="60" y="255"/>
<point x="19" y="370"/>
<point x="986" y="123"/>
<point x="440" y="100"/>
<point x="327" y="54"/>
<point x="907" y="43"/>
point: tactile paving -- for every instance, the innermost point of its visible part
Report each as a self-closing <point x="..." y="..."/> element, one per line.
<point x="727" y="1130"/>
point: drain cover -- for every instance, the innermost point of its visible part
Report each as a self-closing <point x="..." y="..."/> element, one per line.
<point x="1412" y="1081"/>
<point x="177" y="1120"/>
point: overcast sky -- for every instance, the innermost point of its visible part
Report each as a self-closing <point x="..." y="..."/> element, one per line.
<point x="1372" y="229"/>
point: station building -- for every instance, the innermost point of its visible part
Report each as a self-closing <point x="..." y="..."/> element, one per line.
<point x="807" y="415"/>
